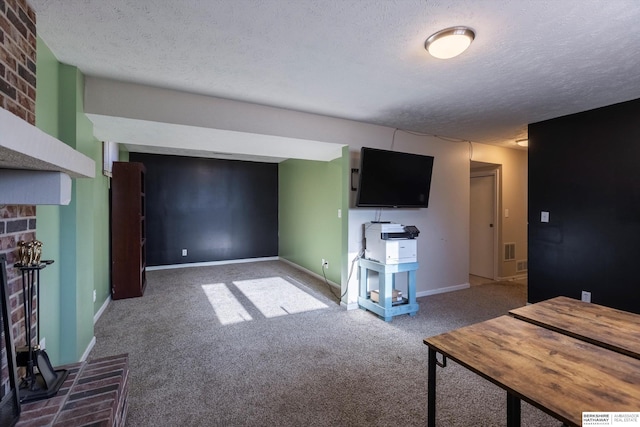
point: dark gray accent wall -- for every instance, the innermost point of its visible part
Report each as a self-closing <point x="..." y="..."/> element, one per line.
<point x="584" y="169"/>
<point x="216" y="209"/>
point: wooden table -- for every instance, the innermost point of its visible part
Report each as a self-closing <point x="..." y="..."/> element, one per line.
<point x="557" y="373"/>
<point x="604" y="326"/>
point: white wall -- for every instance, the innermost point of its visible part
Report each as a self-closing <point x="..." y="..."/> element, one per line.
<point x="513" y="183"/>
<point x="443" y="244"/>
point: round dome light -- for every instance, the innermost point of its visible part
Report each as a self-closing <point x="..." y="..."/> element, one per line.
<point x="449" y="42"/>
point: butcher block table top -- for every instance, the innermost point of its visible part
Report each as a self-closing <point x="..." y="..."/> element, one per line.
<point x="604" y="326"/>
<point x="557" y="373"/>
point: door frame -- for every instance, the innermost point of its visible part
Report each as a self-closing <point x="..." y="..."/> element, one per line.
<point x="497" y="217"/>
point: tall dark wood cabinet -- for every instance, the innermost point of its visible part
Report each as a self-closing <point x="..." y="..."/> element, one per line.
<point x="128" y="236"/>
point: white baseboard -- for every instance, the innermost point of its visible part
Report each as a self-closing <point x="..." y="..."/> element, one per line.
<point x="443" y="290"/>
<point x="311" y="273"/>
<point x="96" y="316"/>
<point x="102" y="309"/>
<point x="210" y="263"/>
<point x="512" y="278"/>
<point x="354" y="305"/>
<point x="350" y="306"/>
<point x="92" y="343"/>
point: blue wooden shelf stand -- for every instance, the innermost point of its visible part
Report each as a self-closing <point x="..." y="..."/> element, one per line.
<point x="385" y="308"/>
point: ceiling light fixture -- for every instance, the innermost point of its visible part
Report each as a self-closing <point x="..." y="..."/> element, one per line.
<point x="449" y="42"/>
<point x="522" y="142"/>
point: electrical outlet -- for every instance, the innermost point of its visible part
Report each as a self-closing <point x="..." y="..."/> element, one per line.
<point x="184" y="252"/>
<point x="325" y="264"/>
<point x="95" y="295"/>
<point x="43" y="343"/>
<point x="586" y="296"/>
<point x="544" y="216"/>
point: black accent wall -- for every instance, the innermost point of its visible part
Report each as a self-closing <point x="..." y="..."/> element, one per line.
<point x="216" y="209"/>
<point x="584" y="169"/>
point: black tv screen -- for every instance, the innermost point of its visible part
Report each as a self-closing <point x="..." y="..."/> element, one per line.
<point x="393" y="179"/>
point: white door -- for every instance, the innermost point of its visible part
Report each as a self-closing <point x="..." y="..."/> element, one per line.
<point x="481" y="238"/>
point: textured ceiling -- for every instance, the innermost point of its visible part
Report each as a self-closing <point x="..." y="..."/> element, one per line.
<point x="364" y="59"/>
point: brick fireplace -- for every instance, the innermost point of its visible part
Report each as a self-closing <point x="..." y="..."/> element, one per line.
<point x="17" y="95"/>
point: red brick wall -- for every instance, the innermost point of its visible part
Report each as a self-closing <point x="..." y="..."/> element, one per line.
<point x="16" y="223"/>
<point x="18" y="95"/>
<point x="18" y="59"/>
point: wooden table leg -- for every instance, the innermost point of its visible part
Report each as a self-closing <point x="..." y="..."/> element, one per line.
<point x="513" y="410"/>
<point x="431" y="389"/>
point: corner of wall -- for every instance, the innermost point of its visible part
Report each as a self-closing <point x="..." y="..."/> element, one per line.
<point x="77" y="234"/>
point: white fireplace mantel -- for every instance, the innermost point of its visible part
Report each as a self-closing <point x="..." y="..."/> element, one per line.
<point x="26" y="148"/>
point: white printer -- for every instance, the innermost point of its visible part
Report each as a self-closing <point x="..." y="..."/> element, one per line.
<point x="390" y="243"/>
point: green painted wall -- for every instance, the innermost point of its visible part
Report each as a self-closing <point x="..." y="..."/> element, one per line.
<point x="77" y="234"/>
<point x="310" y="194"/>
<point x="345" y="164"/>
<point x="48" y="217"/>
<point x="123" y="154"/>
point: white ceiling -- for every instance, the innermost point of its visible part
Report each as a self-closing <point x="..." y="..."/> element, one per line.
<point x="364" y="60"/>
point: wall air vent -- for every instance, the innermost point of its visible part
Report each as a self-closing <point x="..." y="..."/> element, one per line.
<point x="509" y="251"/>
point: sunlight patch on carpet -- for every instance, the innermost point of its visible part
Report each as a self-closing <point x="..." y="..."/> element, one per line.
<point x="274" y="296"/>
<point x="228" y="309"/>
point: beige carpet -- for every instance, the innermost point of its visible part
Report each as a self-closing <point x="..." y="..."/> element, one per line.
<point x="263" y="344"/>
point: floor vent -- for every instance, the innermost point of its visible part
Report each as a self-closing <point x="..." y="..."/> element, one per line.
<point x="509" y="251"/>
<point x="521" y="265"/>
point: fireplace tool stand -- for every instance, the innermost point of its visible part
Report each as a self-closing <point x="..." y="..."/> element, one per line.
<point x="46" y="382"/>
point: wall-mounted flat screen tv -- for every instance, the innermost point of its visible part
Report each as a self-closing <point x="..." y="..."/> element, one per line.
<point x="390" y="179"/>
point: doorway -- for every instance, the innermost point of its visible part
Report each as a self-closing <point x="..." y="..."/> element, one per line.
<point x="483" y="224"/>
